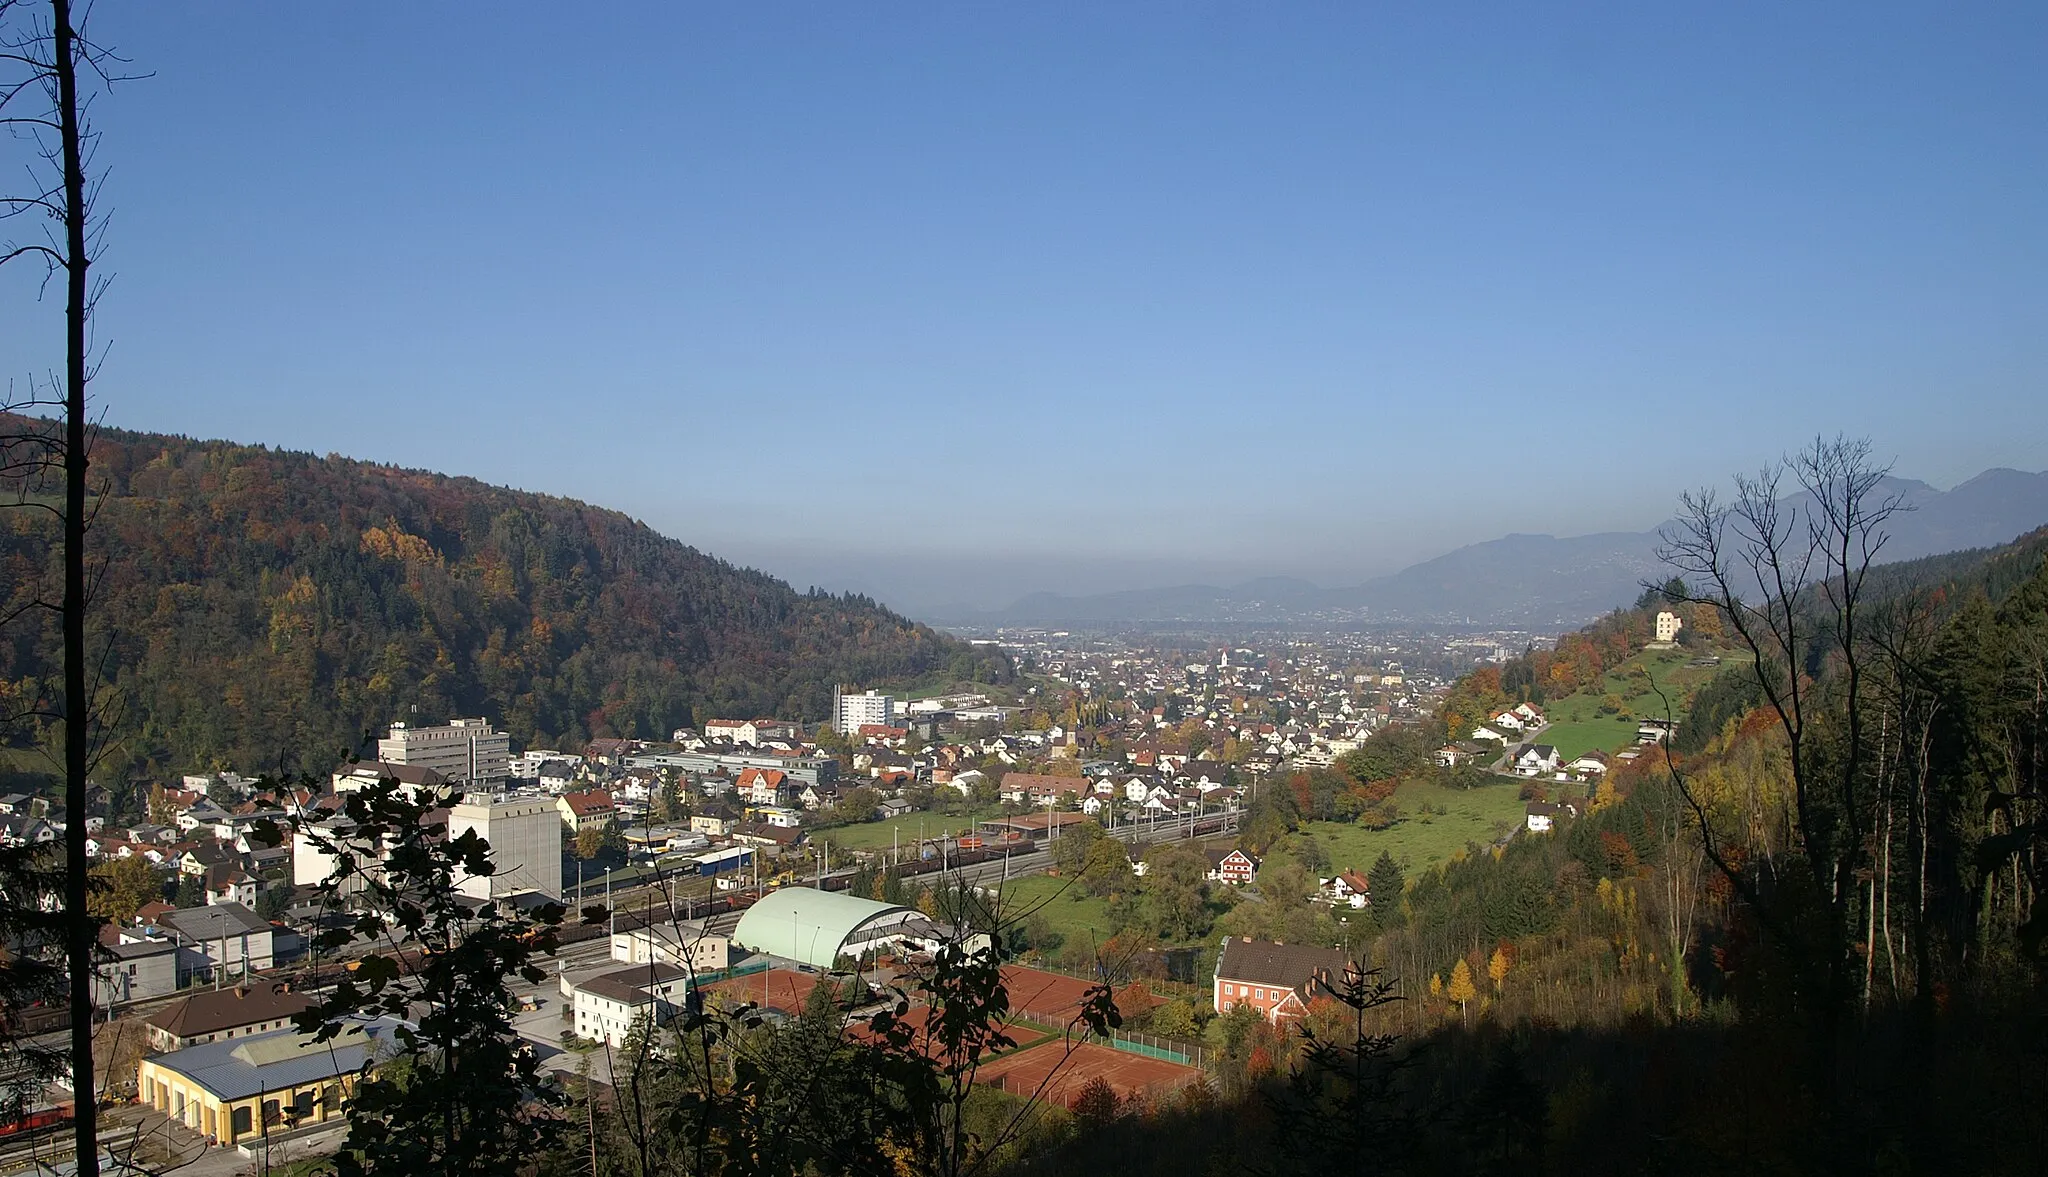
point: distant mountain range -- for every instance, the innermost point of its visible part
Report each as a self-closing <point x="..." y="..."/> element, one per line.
<point x="1524" y="581"/>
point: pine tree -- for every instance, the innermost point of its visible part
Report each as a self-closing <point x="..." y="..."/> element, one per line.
<point x="1384" y="886"/>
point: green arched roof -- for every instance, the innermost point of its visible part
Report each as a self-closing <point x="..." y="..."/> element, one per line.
<point x="799" y="923"/>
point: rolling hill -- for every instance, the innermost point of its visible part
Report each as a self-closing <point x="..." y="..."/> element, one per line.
<point x="264" y="609"/>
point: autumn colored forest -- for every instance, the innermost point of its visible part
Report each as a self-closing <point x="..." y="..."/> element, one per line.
<point x="1806" y="940"/>
<point x="263" y="609"/>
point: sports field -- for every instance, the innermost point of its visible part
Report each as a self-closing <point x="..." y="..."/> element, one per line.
<point x="1057" y="1071"/>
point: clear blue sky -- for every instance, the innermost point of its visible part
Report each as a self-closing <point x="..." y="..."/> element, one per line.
<point x="1101" y="295"/>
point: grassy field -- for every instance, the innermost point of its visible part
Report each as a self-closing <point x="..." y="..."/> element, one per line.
<point x="1576" y="725"/>
<point x="876" y="835"/>
<point x="1417" y="841"/>
<point x="1573" y="740"/>
<point x="1072" y="912"/>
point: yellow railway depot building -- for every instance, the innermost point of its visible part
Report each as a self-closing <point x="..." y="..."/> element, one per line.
<point x="238" y="1089"/>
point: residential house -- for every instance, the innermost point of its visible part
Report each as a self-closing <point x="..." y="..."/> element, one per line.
<point x="608" y="1005"/>
<point x="590" y="810"/>
<point x="1487" y="732"/>
<point x="762" y="786"/>
<point x="1592" y="764"/>
<point x="1279" y="980"/>
<point x="225" y="937"/>
<point x="1536" y="760"/>
<point x="685" y="943"/>
<point x="815" y="797"/>
<point x="1349" y="889"/>
<point x="137" y="970"/>
<point x="26" y="831"/>
<point x="1234" y="867"/>
<point x="1034" y="789"/>
<point x="715" y="821"/>
<point x="201" y="858"/>
<point x="776" y="815"/>
<point x="230" y="885"/>
<point x="1542" y="816"/>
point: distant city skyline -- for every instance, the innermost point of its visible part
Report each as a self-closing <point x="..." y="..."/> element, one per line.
<point x="954" y="305"/>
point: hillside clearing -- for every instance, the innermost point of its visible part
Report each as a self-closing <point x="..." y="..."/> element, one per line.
<point x="1483" y="815"/>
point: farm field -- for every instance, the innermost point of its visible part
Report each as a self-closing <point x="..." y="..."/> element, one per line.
<point x="1479" y="815"/>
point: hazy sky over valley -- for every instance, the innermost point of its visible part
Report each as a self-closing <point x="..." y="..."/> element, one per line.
<point x="962" y="301"/>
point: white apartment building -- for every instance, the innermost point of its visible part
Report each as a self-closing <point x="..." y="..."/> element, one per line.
<point x="851" y="712"/>
<point x="1668" y="625"/>
<point x="684" y="944"/>
<point x="460" y="750"/>
<point x="607" y="1006"/>
<point x="525" y="833"/>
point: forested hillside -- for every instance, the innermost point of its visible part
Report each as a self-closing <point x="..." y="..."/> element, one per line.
<point x="262" y="608"/>
<point x="1811" y="940"/>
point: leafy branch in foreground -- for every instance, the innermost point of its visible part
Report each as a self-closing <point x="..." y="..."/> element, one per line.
<point x="465" y="1096"/>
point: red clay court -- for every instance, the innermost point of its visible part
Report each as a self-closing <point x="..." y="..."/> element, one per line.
<point x="1021" y="1072"/>
<point x="1055" y="1000"/>
<point x="782" y="989"/>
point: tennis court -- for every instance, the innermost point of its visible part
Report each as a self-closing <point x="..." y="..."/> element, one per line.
<point x="1056" y="1075"/>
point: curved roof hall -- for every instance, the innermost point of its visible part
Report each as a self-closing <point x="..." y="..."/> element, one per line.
<point x="799" y="923"/>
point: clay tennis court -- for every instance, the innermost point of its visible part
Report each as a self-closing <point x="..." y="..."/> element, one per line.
<point x="1055" y="1000"/>
<point x="782" y="989"/>
<point x="1127" y="1074"/>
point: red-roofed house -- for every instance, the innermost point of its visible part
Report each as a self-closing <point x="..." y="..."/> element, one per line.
<point x="586" y="811"/>
<point x="762" y="786"/>
<point x="1278" y="980"/>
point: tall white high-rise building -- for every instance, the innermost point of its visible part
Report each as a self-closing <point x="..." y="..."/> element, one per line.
<point x="851" y="712"/>
<point x="525" y="833"/>
<point x="460" y="750"/>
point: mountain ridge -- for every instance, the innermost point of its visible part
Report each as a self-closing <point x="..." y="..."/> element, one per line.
<point x="1522" y="579"/>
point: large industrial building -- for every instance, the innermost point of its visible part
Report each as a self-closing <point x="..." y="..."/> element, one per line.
<point x="525" y="833"/>
<point x="461" y="750"/>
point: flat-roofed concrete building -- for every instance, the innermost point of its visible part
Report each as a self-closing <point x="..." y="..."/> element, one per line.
<point x="525" y="833"/>
<point x="465" y="750"/>
<point x="852" y="712"/>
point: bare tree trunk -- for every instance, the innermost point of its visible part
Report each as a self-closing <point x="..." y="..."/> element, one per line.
<point x="77" y="261"/>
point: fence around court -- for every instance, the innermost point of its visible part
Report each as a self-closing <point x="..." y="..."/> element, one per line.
<point x="757" y="965"/>
<point x="1171" y="1050"/>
